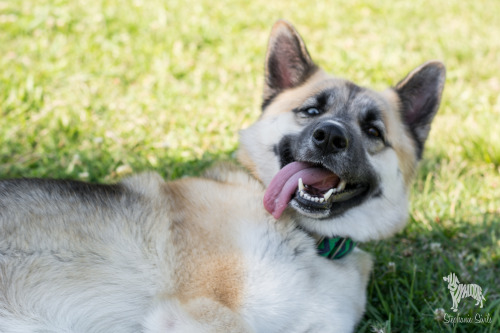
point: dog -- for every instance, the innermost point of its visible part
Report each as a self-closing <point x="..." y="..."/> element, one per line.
<point x="268" y="246"/>
<point x="461" y="290"/>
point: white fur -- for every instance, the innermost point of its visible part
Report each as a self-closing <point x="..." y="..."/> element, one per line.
<point x="301" y="293"/>
<point x="259" y="140"/>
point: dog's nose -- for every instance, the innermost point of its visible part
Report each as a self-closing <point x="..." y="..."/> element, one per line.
<point x="330" y="137"/>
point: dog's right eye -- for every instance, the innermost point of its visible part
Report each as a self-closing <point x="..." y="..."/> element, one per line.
<point x="311" y="112"/>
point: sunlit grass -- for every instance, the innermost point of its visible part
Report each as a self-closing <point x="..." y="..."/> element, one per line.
<point x="97" y="89"/>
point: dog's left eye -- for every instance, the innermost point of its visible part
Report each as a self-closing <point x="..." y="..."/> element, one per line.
<point x="374" y="132"/>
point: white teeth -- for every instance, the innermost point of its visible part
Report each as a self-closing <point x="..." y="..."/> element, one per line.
<point x="301" y="185"/>
<point x="341" y="185"/>
<point x="328" y="194"/>
<point x="306" y="195"/>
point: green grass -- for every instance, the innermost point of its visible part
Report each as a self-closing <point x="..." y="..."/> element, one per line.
<point x="96" y="89"/>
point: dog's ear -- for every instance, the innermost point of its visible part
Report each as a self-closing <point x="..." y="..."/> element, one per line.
<point x="420" y="95"/>
<point x="288" y="64"/>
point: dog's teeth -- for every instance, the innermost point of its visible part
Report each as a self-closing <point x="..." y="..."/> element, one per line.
<point x="341" y="185"/>
<point x="328" y="194"/>
<point x="301" y="185"/>
<point x="307" y="196"/>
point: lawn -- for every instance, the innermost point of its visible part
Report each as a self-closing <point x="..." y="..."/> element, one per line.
<point x="97" y="89"/>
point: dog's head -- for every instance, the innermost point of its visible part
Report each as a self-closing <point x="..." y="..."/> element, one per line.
<point x="339" y="155"/>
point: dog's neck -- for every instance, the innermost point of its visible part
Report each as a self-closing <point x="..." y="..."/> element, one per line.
<point x="332" y="247"/>
<point x="335" y="248"/>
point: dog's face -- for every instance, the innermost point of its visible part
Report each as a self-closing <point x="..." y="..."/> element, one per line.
<point x="340" y="155"/>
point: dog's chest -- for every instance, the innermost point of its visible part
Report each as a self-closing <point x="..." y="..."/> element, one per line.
<point x="288" y="287"/>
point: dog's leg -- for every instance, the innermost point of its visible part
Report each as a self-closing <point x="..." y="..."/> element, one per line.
<point x="201" y="315"/>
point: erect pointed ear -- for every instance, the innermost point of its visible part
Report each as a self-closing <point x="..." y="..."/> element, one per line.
<point x="288" y="63"/>
<point x="420" y="94"/>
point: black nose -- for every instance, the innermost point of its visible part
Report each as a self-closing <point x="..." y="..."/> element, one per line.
<point x="330" y="137"/>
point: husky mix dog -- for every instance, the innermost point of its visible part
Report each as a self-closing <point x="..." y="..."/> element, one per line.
<point x="264" y="248"/>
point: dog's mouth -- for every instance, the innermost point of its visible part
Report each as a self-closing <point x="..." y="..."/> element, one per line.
<point x="312" y="190"/>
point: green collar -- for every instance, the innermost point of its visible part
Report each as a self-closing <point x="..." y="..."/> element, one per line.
<point x="335" y="248"/>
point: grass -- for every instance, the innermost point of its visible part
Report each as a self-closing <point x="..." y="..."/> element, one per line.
<point x="94" y="90"/>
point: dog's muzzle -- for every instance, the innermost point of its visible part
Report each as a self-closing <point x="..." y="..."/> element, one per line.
<point x="330" y="137"/>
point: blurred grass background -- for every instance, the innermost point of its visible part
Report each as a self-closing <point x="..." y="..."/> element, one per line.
<point x="97" y="89"/>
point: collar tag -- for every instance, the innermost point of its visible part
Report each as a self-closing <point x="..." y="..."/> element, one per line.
<point x="335" y="248"/>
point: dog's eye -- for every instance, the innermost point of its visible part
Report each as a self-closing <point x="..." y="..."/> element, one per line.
<point x="312" y="112"/>
<point x="372" y="131"/>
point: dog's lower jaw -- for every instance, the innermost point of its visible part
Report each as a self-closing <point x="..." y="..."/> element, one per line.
<point x="336" y="205"/>
<point x="313" y="215"/>
<point x="364" y="223"/>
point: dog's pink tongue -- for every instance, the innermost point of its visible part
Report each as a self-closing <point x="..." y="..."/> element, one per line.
<point x="285" y="183"/>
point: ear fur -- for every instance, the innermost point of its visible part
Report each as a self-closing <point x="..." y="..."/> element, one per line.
<point x="288" y="64"/>
<point x="420" y="94"/>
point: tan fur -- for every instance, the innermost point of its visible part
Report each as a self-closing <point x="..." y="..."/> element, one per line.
<point x="290" y="98"/>
<point x="211" y="267"/>
<point x="398" y="137"/>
